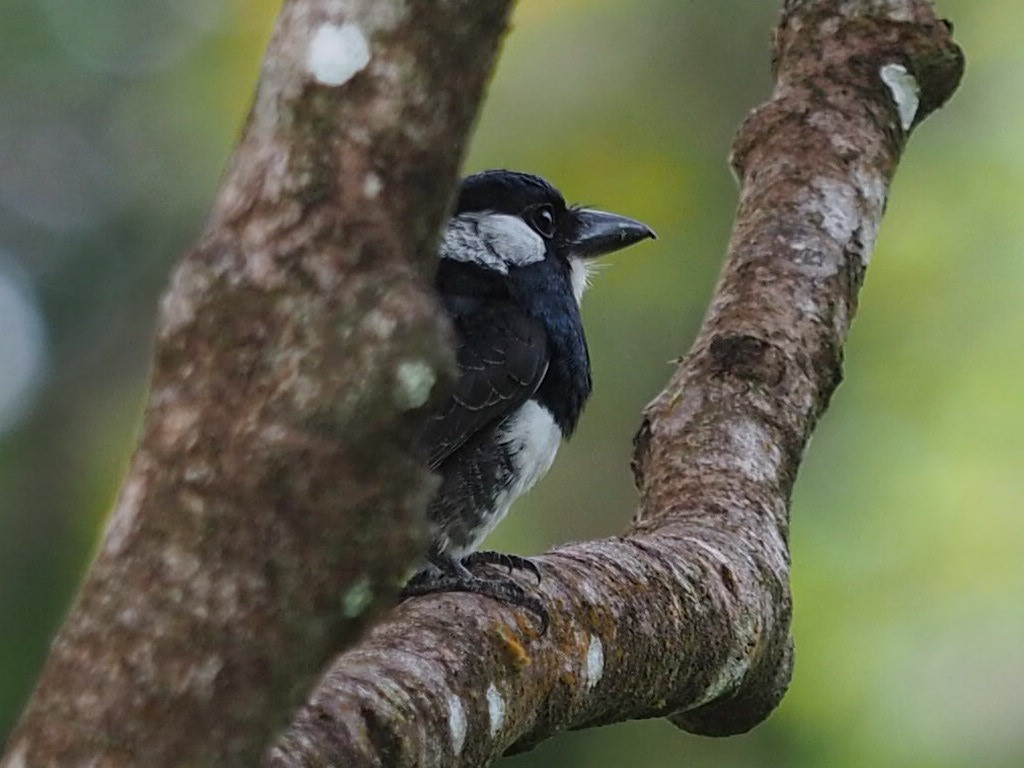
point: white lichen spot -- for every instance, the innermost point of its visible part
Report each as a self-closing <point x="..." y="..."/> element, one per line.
<point x="305" y="391"/>
<point x="178" y="426"/>
<point x="495" y="710"/>
<point x="372" y="185"/>
<point x="260" y="265"/>
<point x="189" y="284"/>
<point x="227" y="598"/>
<point x="200" y="472"/>
<point x="380" y="324"/>
<point x="17" y="757"/>
<point x="274" y="433"/>
<point x="415" y="379"/>
<point x="808" y="306"/>
<point x="129" y="618"/>
<point x="753" y="450"/>
<point x="201" y="679"/>
<point x="848" y="210"/>
<point x="873" y="187"/>
<point x="180" y="565"/>
<point x="337" y="53"/>
<point x="122" y="520"/>
<point x="457" y="723"/>
<point x="905" y="92"/>
<point x="837" y="205"/>
<point x="358" y="597"/>
<point x="874" y="191"/>
<point x="595" y="662"/>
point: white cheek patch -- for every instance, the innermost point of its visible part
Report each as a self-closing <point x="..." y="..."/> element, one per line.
<point x="493" y="240"/>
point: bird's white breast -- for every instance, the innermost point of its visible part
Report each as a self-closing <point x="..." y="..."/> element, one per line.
<point x="532" y="438"/>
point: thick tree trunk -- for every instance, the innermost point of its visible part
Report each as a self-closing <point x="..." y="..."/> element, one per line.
<point x="273" y="503"/>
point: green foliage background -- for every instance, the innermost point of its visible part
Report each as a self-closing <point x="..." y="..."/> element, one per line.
<point x="907" y="520"/>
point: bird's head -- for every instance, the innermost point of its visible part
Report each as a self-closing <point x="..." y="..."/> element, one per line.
<point x="506" y="220"/>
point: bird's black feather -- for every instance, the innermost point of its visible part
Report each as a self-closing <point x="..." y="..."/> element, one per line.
<point x="502" y="356"/>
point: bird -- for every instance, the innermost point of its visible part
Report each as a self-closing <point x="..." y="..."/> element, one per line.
<point x="514" y="263"/>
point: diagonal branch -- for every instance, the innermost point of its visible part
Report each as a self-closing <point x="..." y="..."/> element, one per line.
<point x="687" y="615"/>
<point x="274" y="502"/>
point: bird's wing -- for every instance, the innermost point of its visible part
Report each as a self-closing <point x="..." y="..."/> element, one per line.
<point x="502" y="357"/>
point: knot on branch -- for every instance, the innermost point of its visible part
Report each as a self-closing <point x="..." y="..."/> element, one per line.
<point x="747" y="358"/>
<point x="889" y="65"/>
<point x="849" y="42"/>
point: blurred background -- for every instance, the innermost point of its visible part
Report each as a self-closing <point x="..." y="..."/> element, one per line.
<point x="116" y="117"/>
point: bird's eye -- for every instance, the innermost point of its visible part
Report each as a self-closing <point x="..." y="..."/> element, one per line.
<point x="542" y="219"/>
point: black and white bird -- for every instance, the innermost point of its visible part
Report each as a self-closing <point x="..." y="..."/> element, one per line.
<point x="513" y="268"/>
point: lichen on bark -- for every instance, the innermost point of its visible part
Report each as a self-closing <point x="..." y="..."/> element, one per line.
<point x="274" y="499"/>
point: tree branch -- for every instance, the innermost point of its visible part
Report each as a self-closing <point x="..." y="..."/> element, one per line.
<point x="273" y="502"/>
<point x="688" y="615"/>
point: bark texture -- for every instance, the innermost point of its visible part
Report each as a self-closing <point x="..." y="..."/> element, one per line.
<point x="273" y="503"/>
<point x="688" y="614"/>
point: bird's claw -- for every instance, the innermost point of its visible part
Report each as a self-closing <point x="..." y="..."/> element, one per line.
<point x="511" y="562"/>
<point x="503" y="590"/>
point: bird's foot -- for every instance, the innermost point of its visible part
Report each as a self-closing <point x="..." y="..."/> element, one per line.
<point x="511" y="562"/>
<point x="458" y="578"/>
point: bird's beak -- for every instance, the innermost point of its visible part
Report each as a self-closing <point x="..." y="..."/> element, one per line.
<point x="599" y="232"/>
